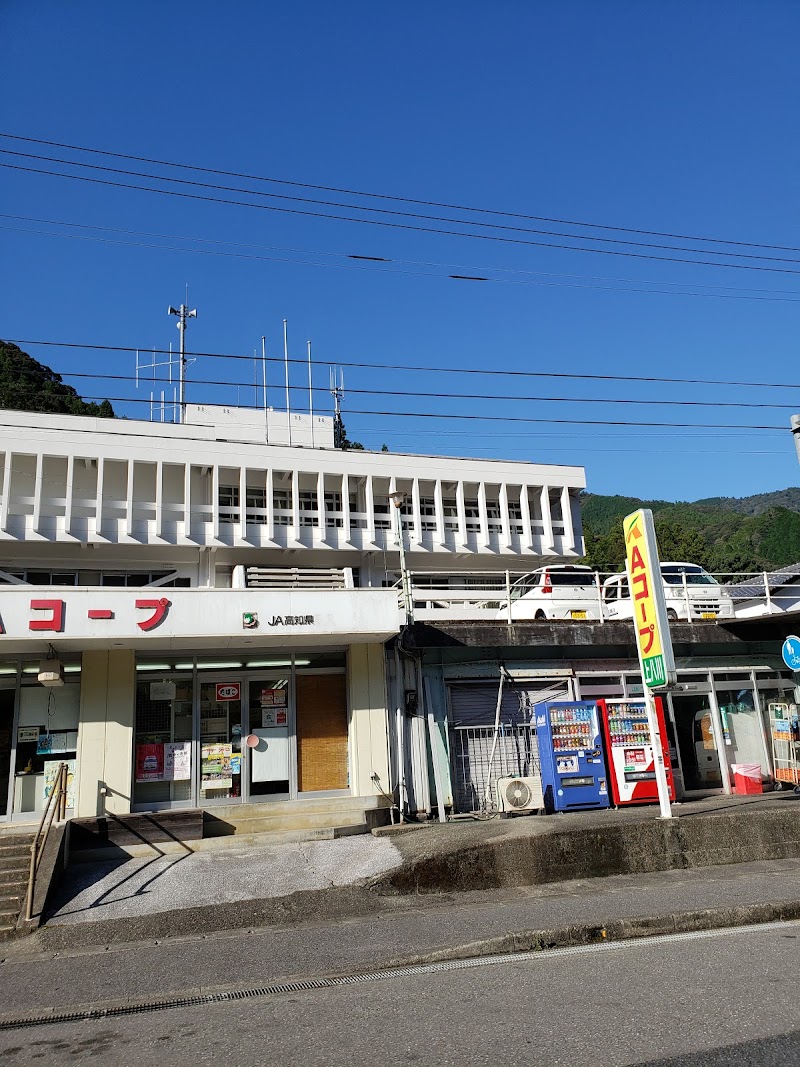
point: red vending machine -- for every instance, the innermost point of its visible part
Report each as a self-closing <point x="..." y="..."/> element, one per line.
<point x="629" y="754"/>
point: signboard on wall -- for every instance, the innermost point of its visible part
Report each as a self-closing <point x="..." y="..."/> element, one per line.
<point x="228" y="691"/>
<point x="162" y="690"/>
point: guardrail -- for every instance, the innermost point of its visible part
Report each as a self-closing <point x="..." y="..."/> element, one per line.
<point x="512" y="596"/>
<point x="55" y="808"/>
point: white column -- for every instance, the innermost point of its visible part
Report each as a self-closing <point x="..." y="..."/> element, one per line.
<point x="270" y="506"/>
<point x="416" y="511"/>
<point x="526" y="541"/>
<point x="547" y="522"/>
<point x="462" y="517"/>
<point x="569" y="528"/>
<point x="483" y="514"/>
<point x="37" y="494"/>
<point x="98" y="514"/>
<point x="7" y="471"/>
<point x="187" y="501"/>
<point x="69" y="493"/>
<point x="296" y="504"/>
<point x="215" y="501"/>
<point x="243" y="503"/>
<point x="346" y="531"/>
<point x="370" y="506"/>
<point x="438" y="497"/>
<point x="323" y="521"/>
<point x="504" y="517"/>
<point x="129" y="499"/>
<point x="159" y="499"/>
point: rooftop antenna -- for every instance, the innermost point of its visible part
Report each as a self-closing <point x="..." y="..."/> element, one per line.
<point x="264" y="375"/>
<point x="183" y="315"/>
<point x="337" y="392"/>
<point x="286" y="365"/>
<point x="310" y="396"/>
<point x="153" y="365"/>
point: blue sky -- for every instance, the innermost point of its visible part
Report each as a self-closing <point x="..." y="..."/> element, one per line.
<point x="674" y="117"/>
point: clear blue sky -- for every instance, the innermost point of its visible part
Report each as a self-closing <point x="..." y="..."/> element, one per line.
<point x="675" y="117"/>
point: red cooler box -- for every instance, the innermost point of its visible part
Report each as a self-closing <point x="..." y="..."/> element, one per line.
<point x="747" y="777"/>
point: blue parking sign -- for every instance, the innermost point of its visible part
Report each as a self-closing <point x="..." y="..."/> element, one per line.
<point x="791" y="652"/>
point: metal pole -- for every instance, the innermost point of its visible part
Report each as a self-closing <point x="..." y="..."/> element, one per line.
<point x="658" y="755"/>
<point x="264" y="376"/>
<point x="286" y="367"/>
<point x="182" y="385"/>
<point x="403" y="572"/>
<point x="310" y="396"/>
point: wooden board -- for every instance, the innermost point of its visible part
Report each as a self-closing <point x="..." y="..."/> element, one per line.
<point x="321" y="732"/>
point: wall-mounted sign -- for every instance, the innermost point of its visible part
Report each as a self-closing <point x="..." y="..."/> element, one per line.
<point x="250" y="620"/>
<point x="162" y="690"/>
<point x="28" y="733"/>
<point x="291" y="620"/>
<point x="229" y="691"/>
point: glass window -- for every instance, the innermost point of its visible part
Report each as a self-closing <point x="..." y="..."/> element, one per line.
<point x="673" y="574"/>
<point x="162" y="739"/>
<point x="47" y="735"/>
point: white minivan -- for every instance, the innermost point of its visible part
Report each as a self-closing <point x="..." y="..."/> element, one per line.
<point x="690" y="591"/>
<point x="557" y="591"/>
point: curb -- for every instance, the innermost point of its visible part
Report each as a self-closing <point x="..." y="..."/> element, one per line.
<point x="615" y="930"/>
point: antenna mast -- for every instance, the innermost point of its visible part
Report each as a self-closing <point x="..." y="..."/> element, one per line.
<point x="183" y="314"/>
<point x="337" y="392"/>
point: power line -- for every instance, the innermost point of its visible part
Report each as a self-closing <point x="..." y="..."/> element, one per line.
<point x="454" y="396"/>
<point x="401" y="225"/>
<point x="388" y="211"/>
<point x="406" y="367"/>
<point x="402" y="199"/>
<point x="735" y="294"/>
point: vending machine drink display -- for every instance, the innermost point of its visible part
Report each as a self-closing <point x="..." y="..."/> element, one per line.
<point x="571" y="755"/>
<point x="631" y="768"/>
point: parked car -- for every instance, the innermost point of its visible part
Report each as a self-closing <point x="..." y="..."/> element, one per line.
<point x="557" y="591"/>
<point x="690" y="592"/>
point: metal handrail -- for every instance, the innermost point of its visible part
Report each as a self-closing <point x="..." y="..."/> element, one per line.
<point x="56" y="806"/>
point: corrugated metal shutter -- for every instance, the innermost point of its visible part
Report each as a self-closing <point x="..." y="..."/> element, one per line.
<point x="475" y="704"/>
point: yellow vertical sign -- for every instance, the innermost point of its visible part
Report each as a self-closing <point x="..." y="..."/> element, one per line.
<point x="649" y="607"/>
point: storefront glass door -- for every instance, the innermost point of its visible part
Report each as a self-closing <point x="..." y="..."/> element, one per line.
<point x="695" y="737"/>
<point x="220" y="740"/>
<point x="742" y="728"/>
<point x="7" y="701"/>
<point x="270" y="722"/>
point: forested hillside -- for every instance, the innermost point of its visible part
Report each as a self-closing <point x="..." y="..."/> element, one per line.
<point x="27" y="385"/>
<point x="721" y="533"/>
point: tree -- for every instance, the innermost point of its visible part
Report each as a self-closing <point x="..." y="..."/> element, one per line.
<point x="27" y="385"/>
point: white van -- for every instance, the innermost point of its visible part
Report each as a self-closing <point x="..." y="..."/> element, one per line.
<point x="557" y="591"/>
<point x="690" y="591"/>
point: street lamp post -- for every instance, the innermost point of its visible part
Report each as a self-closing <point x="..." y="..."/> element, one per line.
<point x="398" y="499"/>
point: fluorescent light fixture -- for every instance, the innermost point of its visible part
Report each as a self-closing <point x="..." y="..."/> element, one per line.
<point x="154" y="666"/>
<point x="276" y="663"/>
<point x="202" y="665"/>
<point x="30" y="670"/>
<point x="8" y="670"/>
<point x="73" y="668"/>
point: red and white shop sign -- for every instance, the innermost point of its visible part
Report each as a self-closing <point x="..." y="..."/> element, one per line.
<point x="229" y="691"/>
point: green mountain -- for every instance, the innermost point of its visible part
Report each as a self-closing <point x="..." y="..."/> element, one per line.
<point x="27" y="385"/>
<point x="723" y="534"/>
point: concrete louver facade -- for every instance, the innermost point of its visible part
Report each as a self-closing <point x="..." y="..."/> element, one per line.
<point x="125" y="548"/>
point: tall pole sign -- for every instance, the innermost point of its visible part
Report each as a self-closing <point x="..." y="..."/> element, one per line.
<point x="651" y="625"/>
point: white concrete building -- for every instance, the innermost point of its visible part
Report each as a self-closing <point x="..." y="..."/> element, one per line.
<point x="219" y="600"/>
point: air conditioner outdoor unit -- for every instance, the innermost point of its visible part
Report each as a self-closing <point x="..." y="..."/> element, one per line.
<point x="520" y="794"/>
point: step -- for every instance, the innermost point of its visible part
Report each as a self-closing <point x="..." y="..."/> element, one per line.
<point x="9" y="852"/>
<point x="309" y="805"/>
<point x="254" y="822"/>
<point x="13" y="877"/>
<point x="7" y="932"/>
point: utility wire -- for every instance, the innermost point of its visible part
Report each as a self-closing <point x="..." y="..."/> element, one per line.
<point x="376" y="269"/>
<point x="402" y="225"/>
<point x="401" y="199"/>
<point x="411" y="368"/>
<point x="389" y="211"/>
<point x="445" y="396"/>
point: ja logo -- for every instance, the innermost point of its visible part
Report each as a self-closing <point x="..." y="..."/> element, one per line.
<point x="791" y="652"/>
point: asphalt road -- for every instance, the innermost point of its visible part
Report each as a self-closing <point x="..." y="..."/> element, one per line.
<point x="729" y="998"/>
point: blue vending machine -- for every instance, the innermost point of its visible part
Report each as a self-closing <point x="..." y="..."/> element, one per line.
<point x="571" y="755"/>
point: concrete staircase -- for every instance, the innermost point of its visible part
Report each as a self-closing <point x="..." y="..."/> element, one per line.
<point x="15" y="858"/>
<point x="323" y="818"/>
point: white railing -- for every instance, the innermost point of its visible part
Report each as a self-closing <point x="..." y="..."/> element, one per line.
<point x="514" y="596"/>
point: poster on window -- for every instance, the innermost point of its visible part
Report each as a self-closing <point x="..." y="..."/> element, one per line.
<point x="215" y="766"/>
<point x="177" y="761"/>
<point x="150" y="763"/>
<point x="273" y="698"/>
<point x="51" y="770"/>
<point x="271" y="717"/>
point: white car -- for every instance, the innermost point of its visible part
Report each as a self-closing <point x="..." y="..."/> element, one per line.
<point x="557" y="591"/>
<point x="690" y="592"/>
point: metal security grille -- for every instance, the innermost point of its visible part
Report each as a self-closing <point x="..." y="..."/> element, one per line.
<point x="472" y="712"/>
